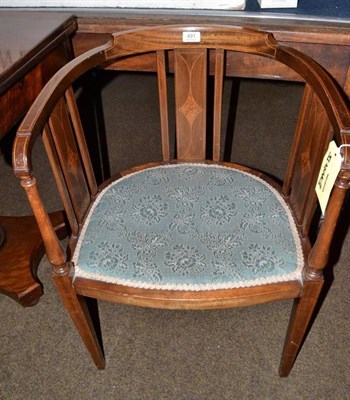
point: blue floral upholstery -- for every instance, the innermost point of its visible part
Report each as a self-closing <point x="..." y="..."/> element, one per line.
<point x="189" y="227"/>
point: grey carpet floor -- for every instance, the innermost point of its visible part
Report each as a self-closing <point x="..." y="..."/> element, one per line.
<point x="158" y="354"/>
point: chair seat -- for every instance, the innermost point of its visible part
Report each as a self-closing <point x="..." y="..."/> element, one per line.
<point x="189" y="227"/>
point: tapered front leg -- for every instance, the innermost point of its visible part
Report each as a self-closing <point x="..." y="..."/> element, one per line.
<point x="301" y="314"/>
<point x="80" y="314"/>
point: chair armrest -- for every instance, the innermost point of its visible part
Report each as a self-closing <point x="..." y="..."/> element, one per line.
<point x="39" y="113"/>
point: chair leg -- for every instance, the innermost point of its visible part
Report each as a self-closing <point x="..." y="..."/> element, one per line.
<point x="301" y="314"/>
<point x="80" y="314"/>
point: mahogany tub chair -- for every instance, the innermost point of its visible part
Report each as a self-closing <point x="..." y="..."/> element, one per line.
<point x="189" y="233"/>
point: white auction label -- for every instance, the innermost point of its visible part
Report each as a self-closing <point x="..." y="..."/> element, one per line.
<point x="329" y="171"/>
<point x="191" y="37"/>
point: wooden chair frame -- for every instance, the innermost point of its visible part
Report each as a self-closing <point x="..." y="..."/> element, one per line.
<point x="323" y="116"/>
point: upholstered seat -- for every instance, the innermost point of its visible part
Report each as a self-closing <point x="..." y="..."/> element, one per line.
<point x="189" y="227"/>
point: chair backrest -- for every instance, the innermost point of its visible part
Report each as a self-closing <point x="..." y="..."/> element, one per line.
<point x="191" y="52"/>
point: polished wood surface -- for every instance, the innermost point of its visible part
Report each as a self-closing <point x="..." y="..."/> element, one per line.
<point x="30" y="54"/>
<point x="67" y="150"/>
<point x="303" y="197"/>
<point x="302" y="311"/>
<point x="163" y="105"/>
<point x="302" y="169"/>
<point x="32" y="49"/>
<point x="186" y="300"/>
<point x="20" y="255"/>
<point x="26" y="37"/>
<point x="191" y="100"/>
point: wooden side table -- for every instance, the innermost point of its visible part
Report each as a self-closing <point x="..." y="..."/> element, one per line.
<point x="325" y="39"/>
<point x="32" y="49"/>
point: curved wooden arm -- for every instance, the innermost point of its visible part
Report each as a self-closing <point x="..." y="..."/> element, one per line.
<point x="38" y="114"/>
<point x="324" y="86"/>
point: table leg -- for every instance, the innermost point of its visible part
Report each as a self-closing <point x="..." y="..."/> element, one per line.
<point x="21" y="249"/>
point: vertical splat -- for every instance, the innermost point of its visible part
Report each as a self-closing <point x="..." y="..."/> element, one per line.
<point x="219" y="80"/>
<point x="60" y="181"/>
<point x="190" y="99"/>
<point x="163" y="105"/>
<point x="81" y="142"/>
<point x="69" y="157"/>
<point x="310" y="143"/>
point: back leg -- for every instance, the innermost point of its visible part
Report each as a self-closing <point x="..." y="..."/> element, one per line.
<point x="301" y="314"/>
<point x="78" y="310"/>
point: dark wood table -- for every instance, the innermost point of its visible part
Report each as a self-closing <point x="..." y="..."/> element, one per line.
<point x="308" y="28"/>
<point x="32" y="48"/>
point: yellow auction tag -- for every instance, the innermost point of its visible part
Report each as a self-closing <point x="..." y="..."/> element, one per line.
<point x="330" y="168"/>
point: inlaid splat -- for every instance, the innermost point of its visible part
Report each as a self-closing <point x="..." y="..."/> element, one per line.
<point x="310" y="153"/>
<point x="190" y="92"/>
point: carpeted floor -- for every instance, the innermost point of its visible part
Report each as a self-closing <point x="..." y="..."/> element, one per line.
<point x="157" y="354"/>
